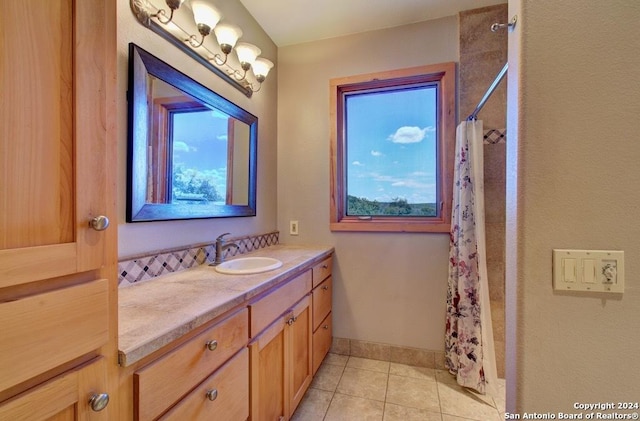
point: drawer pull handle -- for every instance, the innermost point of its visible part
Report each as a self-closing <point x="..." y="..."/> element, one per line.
<point x="212" y="345"/>
<point x="325" y="267"/>
<point x="325" y="327"/>
<point x="98" y="401"/>
<point x="326" y="287"/>
<point x="212" y="395"/>
<point x="290" y="321"/>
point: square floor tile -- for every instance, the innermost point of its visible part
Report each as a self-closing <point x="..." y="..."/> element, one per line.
<point x="394" y="412"/>
<point x="413" y="393"/>
<point x="363" y="383"/>
<point x="412" y="371"/>
<point x="327" y="377"/>
<point x="313" y="406"/>
<point x="351" y="408"/>
<point x="368" y="364"/>
<point x="456" y="400"/>
<point x="336" y="359"/>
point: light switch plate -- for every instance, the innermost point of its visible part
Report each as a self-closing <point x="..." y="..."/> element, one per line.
<point x="588" y="270"/>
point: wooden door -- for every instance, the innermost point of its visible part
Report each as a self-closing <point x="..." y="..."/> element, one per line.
<point x="57" y="173"/>
<point x="299" y="355"/>
<point x="67" y="397"/>
<point x="268" y="397"/>
<point x="53" y="149"/>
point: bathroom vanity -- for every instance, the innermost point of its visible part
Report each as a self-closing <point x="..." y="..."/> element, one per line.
<point x="199" y="344"/>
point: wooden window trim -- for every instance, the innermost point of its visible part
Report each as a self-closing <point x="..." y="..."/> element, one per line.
<point x="159" y="162"/>
<point x="444" y="75"/>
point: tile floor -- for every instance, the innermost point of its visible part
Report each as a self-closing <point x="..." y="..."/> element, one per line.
<point x="354" y="389"/>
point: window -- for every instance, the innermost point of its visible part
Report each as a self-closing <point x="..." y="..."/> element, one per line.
<point x="392" y="140"/>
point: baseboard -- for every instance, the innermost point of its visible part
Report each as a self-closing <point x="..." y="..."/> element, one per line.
<point x="385" y="352"/>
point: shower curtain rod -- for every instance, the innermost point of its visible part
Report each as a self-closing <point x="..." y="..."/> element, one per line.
<point x="494" y="85"/>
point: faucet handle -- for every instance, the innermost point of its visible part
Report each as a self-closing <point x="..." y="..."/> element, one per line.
<point x="222" y="235"/>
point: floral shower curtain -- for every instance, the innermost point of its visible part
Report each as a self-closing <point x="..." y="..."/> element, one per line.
<point x="469" y="348"/>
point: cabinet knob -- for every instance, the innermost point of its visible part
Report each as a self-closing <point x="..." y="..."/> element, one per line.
<point x="325" y="267"/>
<point x="290" y="321"/>
<point x="99" y="223"/>
<point x="212" y="395"/>
<point x="326" y="287"/>
<point x="212" y="345"/>
<point x="325" y="327"/>
<point x="98" y="401"/>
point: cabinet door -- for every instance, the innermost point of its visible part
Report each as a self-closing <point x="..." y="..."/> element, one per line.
<point x="269" y="400"/>
<point x="57" y="72"/>
<point x="299" y="355"/>
<point x="67" y="397"/>
<point x="57" y="172"/>
<point x="281" y="364"/>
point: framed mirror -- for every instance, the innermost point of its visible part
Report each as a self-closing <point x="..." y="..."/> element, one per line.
<point x="191" y="152"/>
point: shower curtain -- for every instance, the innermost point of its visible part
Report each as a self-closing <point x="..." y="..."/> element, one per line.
<point x="469" y="347"/>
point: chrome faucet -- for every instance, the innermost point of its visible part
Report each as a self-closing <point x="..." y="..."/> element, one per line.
<point x="221" y="246"/>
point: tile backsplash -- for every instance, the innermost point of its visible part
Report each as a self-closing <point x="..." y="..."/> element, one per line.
<point x="493" y="136"/>
<point x="146" y="267"/>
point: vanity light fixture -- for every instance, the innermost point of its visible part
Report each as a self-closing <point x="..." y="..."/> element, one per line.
<point x="207" y="19"/>
<point x="173" y="6"/>
<point x="227" y="35"/>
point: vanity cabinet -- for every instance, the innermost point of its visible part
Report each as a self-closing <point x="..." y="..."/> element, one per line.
<point x="281" y="355"/>
<point x="322" y="302"/>
<point x="221" y="387"/>
<point x="254" y="360"/>
<point x="58" y="299"/>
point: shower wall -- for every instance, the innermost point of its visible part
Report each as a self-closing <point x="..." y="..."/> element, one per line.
<point x="482" y="54"/>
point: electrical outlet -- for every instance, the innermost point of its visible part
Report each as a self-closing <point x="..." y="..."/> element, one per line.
<point x="293" y="227"/>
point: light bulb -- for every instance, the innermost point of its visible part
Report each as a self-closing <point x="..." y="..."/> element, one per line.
<point x="205" y="15"/>
<point x="261" y="68"/>
<point x="247" y="54"/>
<point x="227" y="35"/>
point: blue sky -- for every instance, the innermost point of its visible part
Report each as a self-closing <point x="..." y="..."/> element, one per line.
<point x="200" y="143"/>
<point x="391" y="145"/>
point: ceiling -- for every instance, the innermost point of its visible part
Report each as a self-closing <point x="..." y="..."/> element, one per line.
<point x="290" y="22"/>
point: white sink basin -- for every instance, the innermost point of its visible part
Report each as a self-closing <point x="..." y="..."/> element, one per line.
<point x="248" y="265"/>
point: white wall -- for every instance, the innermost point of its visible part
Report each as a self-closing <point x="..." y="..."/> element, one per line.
<point x="389" y="287"/>
<point x="135" y="238"/>
<point x="573" y="176"/>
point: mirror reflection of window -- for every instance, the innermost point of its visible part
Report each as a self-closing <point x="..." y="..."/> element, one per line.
<point x="199" y="161"/>
<point x="197" y="155"/>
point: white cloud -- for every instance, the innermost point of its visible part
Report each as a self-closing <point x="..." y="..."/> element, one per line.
<point x="410" y="134"/>
<point x="376" y="153"/>
<point x="357" y="164"/>
<point x="179" y="146"/>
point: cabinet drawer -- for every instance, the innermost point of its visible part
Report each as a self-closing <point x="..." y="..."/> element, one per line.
<point x="322" y="301"/>
<point x="322" y="270"/>
<point x="265" y="310"/>
<point x="322" y="342"/>
<point x="222" y="396"/>
<point x="160" y="384"/>
<point x="65" y="397"/>
<point x="43" y="331"/>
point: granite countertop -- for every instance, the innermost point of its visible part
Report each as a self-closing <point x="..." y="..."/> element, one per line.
<point x="155" y="313"/>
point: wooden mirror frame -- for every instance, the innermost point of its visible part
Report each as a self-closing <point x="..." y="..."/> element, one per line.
<point x="141" y="65"/>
